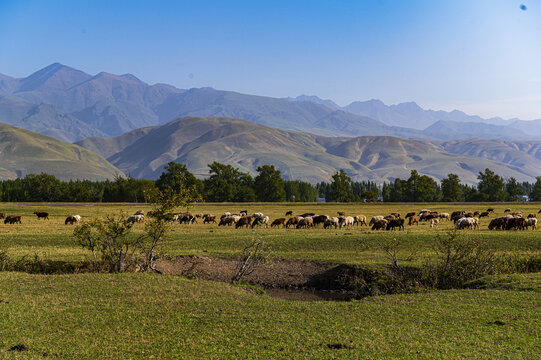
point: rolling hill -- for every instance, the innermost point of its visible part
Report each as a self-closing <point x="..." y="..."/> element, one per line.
<point x="26" y="152"/>
<point x="197" y="141"/>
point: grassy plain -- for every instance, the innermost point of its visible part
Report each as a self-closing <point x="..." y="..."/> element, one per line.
<point x="53" y="240"/>
<point x="151" y="316"/>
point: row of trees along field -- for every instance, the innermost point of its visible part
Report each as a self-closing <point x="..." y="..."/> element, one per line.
<point x="226" y="183"/>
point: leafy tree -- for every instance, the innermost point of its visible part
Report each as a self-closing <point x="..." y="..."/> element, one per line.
<point x="420" y="188"/>
<point x="269" y="185"/>
<point x="491" y="185"/>
<point x="228" y="184"/>
<point x="535" y="195"/>
<point x="451" y="189"/>
<point x="513" y="189"/>
<point x="340" y="186"/>
<point x="174" y="173"/>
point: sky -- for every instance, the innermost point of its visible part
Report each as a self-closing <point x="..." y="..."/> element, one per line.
<point x="482" y="57"/>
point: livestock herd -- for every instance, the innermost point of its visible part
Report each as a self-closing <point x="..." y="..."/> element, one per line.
<point x="461" y="219"/>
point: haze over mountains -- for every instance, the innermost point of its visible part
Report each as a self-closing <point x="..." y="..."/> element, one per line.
<point x="140" y="127"/>
<point x="69" y="104"/>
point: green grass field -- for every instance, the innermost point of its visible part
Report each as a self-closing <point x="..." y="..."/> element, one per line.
<point x="142" y="316"/>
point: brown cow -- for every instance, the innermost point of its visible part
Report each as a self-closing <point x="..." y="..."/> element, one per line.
<point x="41" y="215"/>
<point x="13" y="219"/>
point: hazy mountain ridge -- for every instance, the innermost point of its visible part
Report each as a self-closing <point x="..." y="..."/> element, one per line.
<point x="197" y="142"/>
<point x="109" y="105"/>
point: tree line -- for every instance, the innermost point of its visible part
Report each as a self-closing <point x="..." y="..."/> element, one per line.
<point x="228" y="184"/>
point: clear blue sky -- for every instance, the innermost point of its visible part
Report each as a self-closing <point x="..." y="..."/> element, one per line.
<point x="481" y="56"/>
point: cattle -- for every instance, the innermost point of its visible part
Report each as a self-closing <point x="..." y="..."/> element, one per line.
<point x="341" y="213"/>
<point x="261" y="220"/>
<point x="278" y="222"/>
<point x="379" y="224"/>
<point x="136" y="219"/>
<point x="445" y="216"/>
<point x="530" y="222"/>
<point x="414" y="220"/>
<point x="289" y="213"/>
<point x="359" y="220"/>
<point x="391" y="225"/>
<point x="42" y="215"/>
<point x="410" y="214"/>
<point x="208" y="218"/>
<point x="2" y="215"/>
<point x="331" y="222"/>
<point x="320" y="219"/>
<point x="294" y="220"/>
<point x="13" y="219"/>
<point x="345" y="221"/>
<point x="306" y="223"/>
<point x="244" y="221"/>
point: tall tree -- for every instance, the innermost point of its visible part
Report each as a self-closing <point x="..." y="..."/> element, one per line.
<point x="228" y="184"/>
<point x="340" y="186"/>
<point x="173" y="174"/>
<point x="451" y="189"/>
<point x="513" y="189"/>
<point x="268" y="184"/>
<point x="535" y="195"/>
<point x="491" y="186"/>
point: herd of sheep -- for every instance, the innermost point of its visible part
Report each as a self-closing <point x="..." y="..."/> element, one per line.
<point x="461" y="219"/>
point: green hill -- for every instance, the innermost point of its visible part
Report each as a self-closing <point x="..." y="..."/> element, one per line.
<point x="26" y="152"/>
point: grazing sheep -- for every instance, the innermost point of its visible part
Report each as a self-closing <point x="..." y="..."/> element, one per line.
<point x="531" y="222"/>
<point x="490" y="210"/>
<point x="484" y="214"/>
<point x="379" y="224"/>
<point x="209" y="218"/>
<point x="139" y="212"/>
<point x="320" y="219"/>
<point x="136" y="218"/>
<point x="341" y="213"/>
<point x="289" y="213"/>
<point x="262" y="220"/>
<point x="359" y="220"/>
<point x="507" y="210"/>
<point x="445" y="216"/>
<point x="374" y="219"/>
<point x="2" y="215"/>
<point x="244" y="221"/>
<point x="294" y="220"/>
<point x="308" y="214"/>
<point x="13" y="219"/>
<point x="345" y="221"/>
<point x="72" y="219"/>
<point x="532" y="215"/>
<point x="42" y="215"/>
<point x="434" y="222"/>
<point x="331" y="222"/>
<point x="410" y="214"/>
<point x="278" y="222"/>
<point x="414" y="220"/>
<point x="306" y="223"/>
<point x="391" y="225"/>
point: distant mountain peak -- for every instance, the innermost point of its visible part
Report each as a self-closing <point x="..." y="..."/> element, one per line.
<point x="53" y="77"/>
<point x="314" y="99"/>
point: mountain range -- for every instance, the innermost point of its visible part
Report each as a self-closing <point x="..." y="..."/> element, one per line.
<point x="139" y="127"/>
<point x="71" y="105"/>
